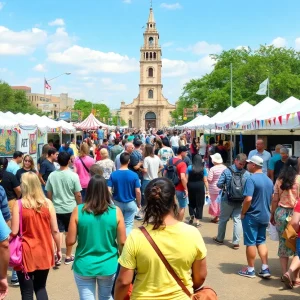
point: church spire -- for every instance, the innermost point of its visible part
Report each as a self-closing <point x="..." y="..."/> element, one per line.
<point x="151" y="17"/>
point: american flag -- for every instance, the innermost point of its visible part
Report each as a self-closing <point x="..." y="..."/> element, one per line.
<point x="47" y="85"/>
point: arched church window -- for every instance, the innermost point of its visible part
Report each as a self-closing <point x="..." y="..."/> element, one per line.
<point x="150" y="94"/>
<point x="150" y="72"/>
<point x="146" y="55"/>
<point x="154" y="55"/>
<point x="151" y="25"/>
<point x="150" y="54"/>
<point x="151" y="41"/>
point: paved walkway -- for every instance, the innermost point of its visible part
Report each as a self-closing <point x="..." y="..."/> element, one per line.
<point x="223" y="264"/>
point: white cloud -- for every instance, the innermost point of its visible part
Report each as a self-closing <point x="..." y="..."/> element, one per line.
<point x="297" y="43"/>
<point x="172" y="6"/>
<point x="108" y="85"/>
<point x="57" y="22"/>
<point x="93" y="61"/>
<point x="3" y="70"/>
<point x="2" y="5"/>
<point x="127" y="1"/>
<point x="167" y="44"/>
<point x="202" y="48"/>
<point x="279" y="42"/>
<point x="20" y="42"/>
<point x="39" y="68"/>
<point x="242" y="48"/>
<point x="60" y="40"/>
<point x="178" y="68"/>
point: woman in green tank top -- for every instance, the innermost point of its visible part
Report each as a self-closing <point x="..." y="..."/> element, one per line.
<point x="96" y="225"/>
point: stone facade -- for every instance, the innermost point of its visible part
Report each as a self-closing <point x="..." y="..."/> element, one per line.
<point x="150" y="109"/>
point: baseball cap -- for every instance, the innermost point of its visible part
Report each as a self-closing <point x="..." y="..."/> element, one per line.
<point x="182" y="149"/>
<point x="256" y="160"/>
<point x="67" y="143"/>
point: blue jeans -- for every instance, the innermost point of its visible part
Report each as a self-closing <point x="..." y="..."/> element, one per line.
<point x="83" y="194"/>
<point x="175" y="149"/>
<point x="182" y="199"/>
<point x="230" y="210"/>
<point x="144" y="185"/>
<point x="87" y="287"/>
<point x="298" y="247"/>
<point x="43" y="188"/>
<point x="129" y="210"/>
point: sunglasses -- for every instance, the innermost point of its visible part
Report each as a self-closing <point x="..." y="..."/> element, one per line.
<point x="27" y="160"/>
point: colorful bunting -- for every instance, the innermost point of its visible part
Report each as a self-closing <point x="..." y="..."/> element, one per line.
<point x="280" y="120"/>
<point x="298" y="113"/>
<point x="287" y="118"/>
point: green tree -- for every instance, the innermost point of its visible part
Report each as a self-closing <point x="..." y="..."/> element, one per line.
<point x="115" y="121"/>
<point x="250" y="68"/>
<point x="86" y="107"/>
<point x="15" y="101"/>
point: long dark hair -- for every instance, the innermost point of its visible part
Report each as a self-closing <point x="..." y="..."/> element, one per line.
<point x="197" y="166"/>
<point x="97" y="200"/>
<point x="288" y="173"/>
<point x="159" y="195"/>
<point x="3" y="166"/>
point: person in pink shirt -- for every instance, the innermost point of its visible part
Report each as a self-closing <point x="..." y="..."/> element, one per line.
<point x="82" y="167"/>
<point x="213" y="177"/>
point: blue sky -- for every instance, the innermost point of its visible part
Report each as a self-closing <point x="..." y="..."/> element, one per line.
<point x="98" y="41"/>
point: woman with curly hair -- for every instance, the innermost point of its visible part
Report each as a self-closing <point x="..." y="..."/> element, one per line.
<point x="181" y="244"/>
<point x="286" y="195"/>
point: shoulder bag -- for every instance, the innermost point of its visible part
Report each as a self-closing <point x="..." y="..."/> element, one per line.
<point x="204" y="293"/>
<point x="15" y="246"/>
<point x="289" y="233"/>
<point x="86" y="168"/>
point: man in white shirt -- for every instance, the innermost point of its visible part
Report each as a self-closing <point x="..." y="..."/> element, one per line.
<point x="174" y="141"/>
<point x="202" y="148"/>
<point x="261" y="152"/>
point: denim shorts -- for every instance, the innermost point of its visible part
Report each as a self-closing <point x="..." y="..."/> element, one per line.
<point x="254" y="232"/>
<point x="183" y="200"/>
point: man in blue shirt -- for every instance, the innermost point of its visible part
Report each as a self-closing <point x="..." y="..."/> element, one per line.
<point x="276" y="156"/>
<point x="100" y="135"/>
<point x="231" y="209"/>
<point x="4" y="206"/>
<point x="255" y="217"/>
<point x="125" y="186"/>
<point x="261" y="152"/>
<point x="4" y="256"/>
<point x="14" y="165"/>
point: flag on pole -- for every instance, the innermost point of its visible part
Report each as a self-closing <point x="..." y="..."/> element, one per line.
<point x="263" y="87"/>
<point x="47" y="85"/>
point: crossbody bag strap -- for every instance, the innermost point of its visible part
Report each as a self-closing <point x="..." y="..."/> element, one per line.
<point x="164" y="260"/>
<point x="86" y="168"/>
<point x="20" y="217"/>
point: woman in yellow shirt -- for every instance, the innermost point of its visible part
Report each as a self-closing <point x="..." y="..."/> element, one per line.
<point x="180" y="243"/>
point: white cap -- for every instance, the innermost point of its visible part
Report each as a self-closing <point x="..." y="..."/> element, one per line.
<point x="217" y="158"/>
<point x="256" y="160"/>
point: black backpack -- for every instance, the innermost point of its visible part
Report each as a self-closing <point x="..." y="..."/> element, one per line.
<point x="171" y="171"/>
<point x="236" y="188"/>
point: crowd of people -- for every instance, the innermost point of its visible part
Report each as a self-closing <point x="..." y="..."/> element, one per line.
<point x="91" y="192"/>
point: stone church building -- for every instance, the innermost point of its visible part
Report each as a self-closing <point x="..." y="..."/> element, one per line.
<point x="150" y="109"/>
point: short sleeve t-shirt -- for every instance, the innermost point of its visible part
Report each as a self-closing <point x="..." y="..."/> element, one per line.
<point x="12" y="167"/>
<point x="124" y="183"/>
<point x="152" y="165"/>
<point x="273" y="160"/>
<point x="181" y="168"/>
<point x="47" y="168"/>
<point x="165" y="154"/>
<point x="68" y="150"/>
<point x="63" y="185"/>
<point x="190" y="168"/>
<point x="4" y="229"/>
<point x="21" y="172"/>
<point x="260" y="187"/>
<point x="9" y="183"/>
<point x="84" y="175"/>
<point x="174" y="141"/>
<point x="180" y="243"/>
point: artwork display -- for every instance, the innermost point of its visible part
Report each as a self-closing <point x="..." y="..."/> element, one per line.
<point x="32" y="143"/>
<point x="8" y="140"/>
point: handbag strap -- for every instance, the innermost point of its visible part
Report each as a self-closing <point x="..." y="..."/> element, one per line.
<point x="20" y="217"/>
<point x="86" y="168"/>
<point x="164" y="260"/>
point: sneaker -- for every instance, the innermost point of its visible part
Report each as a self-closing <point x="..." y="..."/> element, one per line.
<point x="14" y="282"/>
<point x="217" y="241"/>
<point x="264" y="273"/>
<point x="139" y="218"/>
<point x="246" y="273"/>
<point x="69" y="260"/>
<point x="191" y="221"/>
